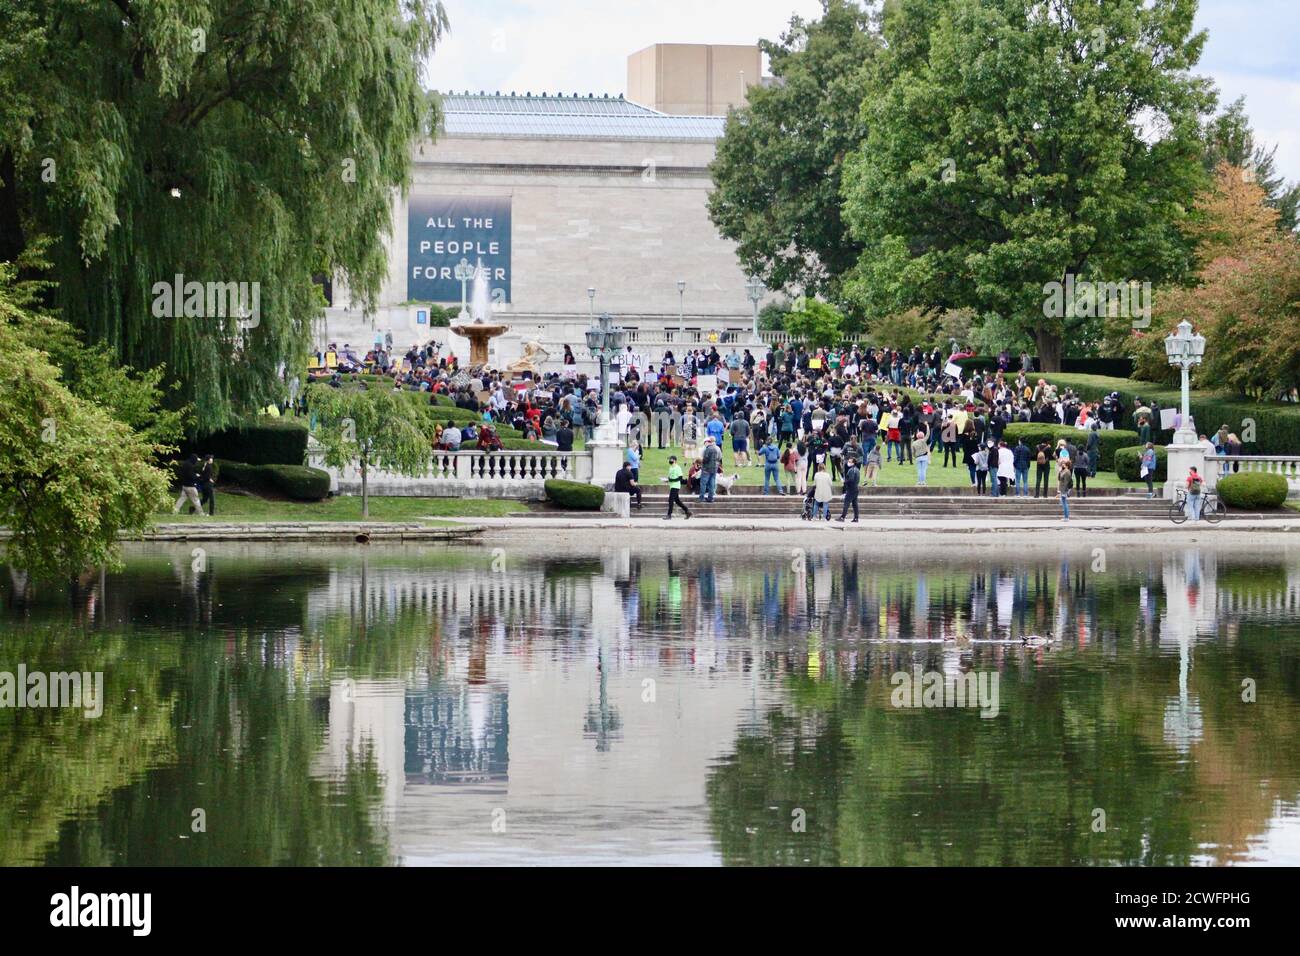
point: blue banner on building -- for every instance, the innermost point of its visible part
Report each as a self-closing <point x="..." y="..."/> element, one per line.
<point x="443" y="230"/>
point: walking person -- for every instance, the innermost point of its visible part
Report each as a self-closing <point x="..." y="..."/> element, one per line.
<point x="1147" y="470"/>
<point x="189" y="496"/>
<point x="208" y="486"/>
<point x="823" y="491"/>
<point x="992" y="460"/>
<point x="794" y="466"/>
<point x="1006" y="468"/>
<point x="675" y="489"/>
<point x="981" y="469"/>
<point x="851" y="477"/>
<point x="1081" y="473"/>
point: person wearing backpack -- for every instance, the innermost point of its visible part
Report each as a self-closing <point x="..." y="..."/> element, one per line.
<point x="1195" y="496"/>
<point x="1043" y="473"/>
<point x="1148" y="469"/>
<point x="851" y="478"/>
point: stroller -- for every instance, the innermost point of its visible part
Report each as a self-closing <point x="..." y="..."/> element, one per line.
<point x="807" y="513"/>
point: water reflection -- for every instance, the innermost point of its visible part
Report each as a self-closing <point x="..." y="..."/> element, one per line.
<point x="614" y="704"/>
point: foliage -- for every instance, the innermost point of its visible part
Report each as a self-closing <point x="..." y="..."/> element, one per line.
<point x="1034" y="433"/>
<point x="225" y="141"/>
<point x="902" y="330"/>
<point x="1252" y="490"/>
<point x="816" y="324"/>
<point x="72" y="476"/>
<point x="575" y="495"/>
<point x="297" y="482"/>
<point x="376" y="427"/>
<point x="1246" y="300"/>
<point x="258" y="441"/>
<point x="1229" y="139"/>
<point x="1128" y="463"/>
<point x="1009" y="148"/>
<point x="777" y="169"/>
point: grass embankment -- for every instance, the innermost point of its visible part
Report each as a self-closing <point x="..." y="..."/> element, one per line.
<point x="246" y="509"/>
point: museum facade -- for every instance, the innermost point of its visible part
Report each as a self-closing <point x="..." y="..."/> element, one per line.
<point x="557" y="196"/>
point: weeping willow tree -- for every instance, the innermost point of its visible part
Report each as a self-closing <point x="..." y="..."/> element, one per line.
<point x="168" y="142"/>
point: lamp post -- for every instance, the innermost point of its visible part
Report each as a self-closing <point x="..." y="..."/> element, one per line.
<point x="464" y="272"/>
<point x="1185" y="351"/>
<point x="681" y="308"/>
<point x="605" y="340"/>
<point x="755" y="288"/>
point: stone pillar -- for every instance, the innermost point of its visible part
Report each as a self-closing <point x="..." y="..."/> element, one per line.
<point x="606" y="454"/>
<point x="1182" y="458"/>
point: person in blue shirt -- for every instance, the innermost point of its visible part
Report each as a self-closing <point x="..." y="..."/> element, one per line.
<point x="715" y="429"/>
<point x="770" y="456"/>
<point x="633" y="458"/>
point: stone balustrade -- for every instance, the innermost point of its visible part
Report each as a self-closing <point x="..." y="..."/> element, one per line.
<point x="1288" y="466"/>
<point x="520" y="474"/>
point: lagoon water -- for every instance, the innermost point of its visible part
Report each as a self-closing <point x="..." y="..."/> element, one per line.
<point x="598" y="703"/>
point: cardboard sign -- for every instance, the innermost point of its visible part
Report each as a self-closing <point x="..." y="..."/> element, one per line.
<point x="706" y="383"/>
<point x="814" y="363"/>
<point x="735" y="376"/>
<point x="953" y="369"/>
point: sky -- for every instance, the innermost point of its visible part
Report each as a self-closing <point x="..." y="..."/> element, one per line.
<point x="581" y="46"/>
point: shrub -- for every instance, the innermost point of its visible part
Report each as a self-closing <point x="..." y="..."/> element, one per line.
<point x="1128" y="462"/>
<point x="1252" y="490"/>
<point x="1277" y="424"/>
<point x="262" y="441"/>
<point x="297" y="482"/>
<point x="1034" y="432"/>
<point x="575" y="495"/>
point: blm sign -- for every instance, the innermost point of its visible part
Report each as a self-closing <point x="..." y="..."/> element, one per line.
<point x="442" y="230"/>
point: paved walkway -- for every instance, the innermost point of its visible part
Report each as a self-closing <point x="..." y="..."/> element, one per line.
<point x="977" y="525"/>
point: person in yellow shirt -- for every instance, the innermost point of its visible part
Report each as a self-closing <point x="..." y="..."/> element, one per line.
<point x="675" y="477"/>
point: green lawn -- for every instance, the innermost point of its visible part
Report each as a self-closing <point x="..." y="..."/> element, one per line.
<point x="246" y="508"/>
<point x="654" y="468"/>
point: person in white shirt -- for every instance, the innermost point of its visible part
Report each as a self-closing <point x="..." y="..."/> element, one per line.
<point x="1006" y="465"/>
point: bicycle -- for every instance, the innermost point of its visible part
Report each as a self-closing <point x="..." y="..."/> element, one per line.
<point x="1213" y="509"/>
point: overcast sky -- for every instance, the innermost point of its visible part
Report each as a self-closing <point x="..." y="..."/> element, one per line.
<point x="581" y="46"/>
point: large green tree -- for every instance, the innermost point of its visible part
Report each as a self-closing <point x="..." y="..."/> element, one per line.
<point x="225" y="141"/>
<point x="777" y="169"/>
<point x="1016" y="143"/>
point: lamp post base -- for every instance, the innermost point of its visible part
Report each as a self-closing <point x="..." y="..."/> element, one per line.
<point x="1182" y="458"/>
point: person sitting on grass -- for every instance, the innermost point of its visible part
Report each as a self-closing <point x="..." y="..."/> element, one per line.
<point x="488" y="439"/>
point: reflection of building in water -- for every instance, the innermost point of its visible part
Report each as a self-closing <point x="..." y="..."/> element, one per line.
<point x="367" y="716"/>
<point x="458" y="734"/>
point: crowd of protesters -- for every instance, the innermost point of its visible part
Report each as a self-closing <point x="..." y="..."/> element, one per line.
<point x="798" y="414"/>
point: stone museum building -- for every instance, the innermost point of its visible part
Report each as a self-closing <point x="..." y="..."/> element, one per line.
<point x="558" y="195"/>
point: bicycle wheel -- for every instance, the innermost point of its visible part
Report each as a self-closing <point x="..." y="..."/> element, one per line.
<point x="1214" y="511"/>
<point x="1178" y="512"/>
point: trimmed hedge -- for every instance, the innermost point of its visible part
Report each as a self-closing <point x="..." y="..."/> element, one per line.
<point x="297" y="482"/>
<point x="1118" y="368"/>
<point x="1128" y="462"/>
<point x="1277" y="424"/>
<point x="263" y="441"/>
<point x="1035" y="432"/>
<point x="1252" y="490"/>
<point x="575" y="495"/>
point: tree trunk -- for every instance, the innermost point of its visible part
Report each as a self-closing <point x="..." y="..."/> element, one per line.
<point x="365" y="493"/>
<point x="1049" y="350"/>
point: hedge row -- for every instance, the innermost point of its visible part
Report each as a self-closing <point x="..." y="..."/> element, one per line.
<point x="1115" y="367"/>
<point x="575" y="495"/>
<point x="1276" y="424"/>
<point x="1128" y="463"/>
<point x="262" y="441"/>
<point x="1252" y="490"/>
<point x="293" y="481"/>
<point x="1035" y="433"/>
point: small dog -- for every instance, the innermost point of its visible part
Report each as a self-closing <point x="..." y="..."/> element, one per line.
<point x="725" y="482"/>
